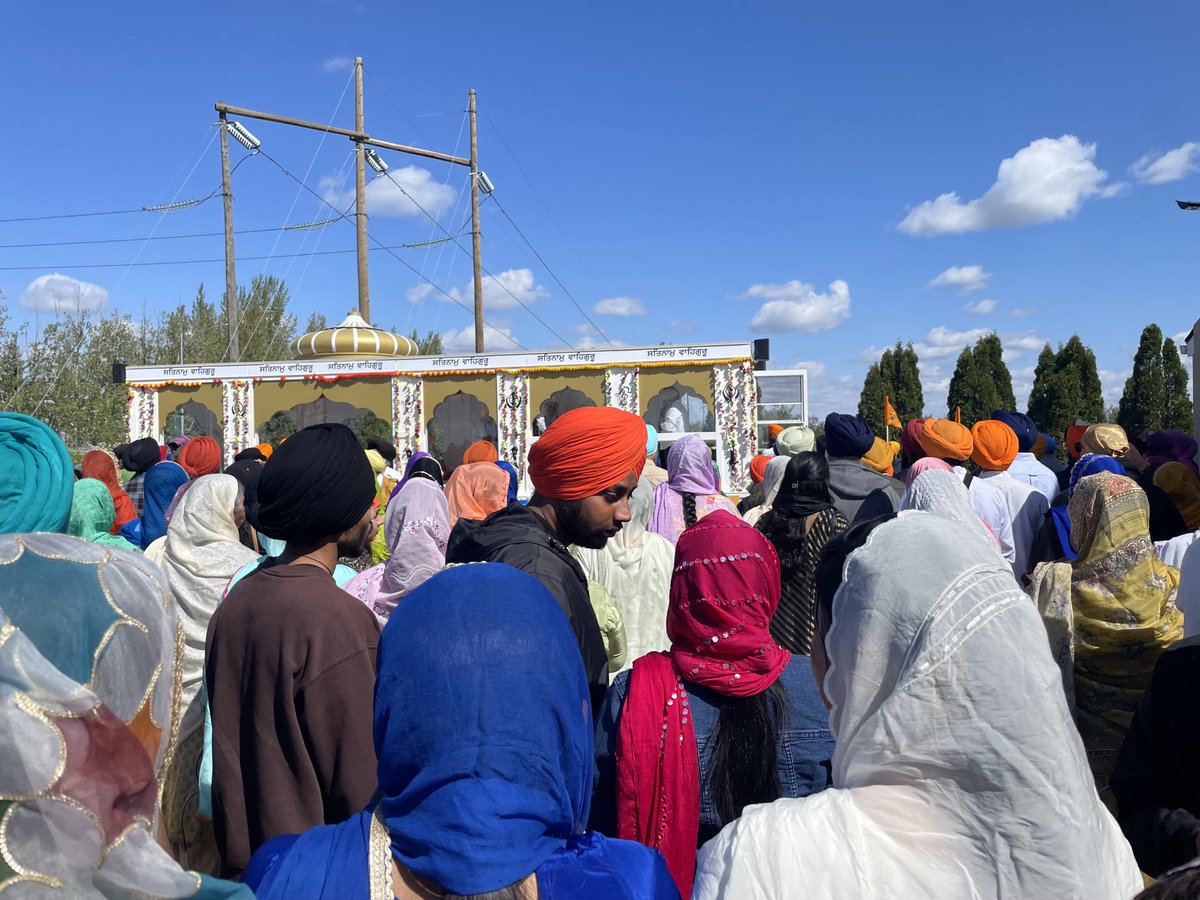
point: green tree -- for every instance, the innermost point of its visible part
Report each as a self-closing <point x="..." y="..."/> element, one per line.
<point x="429" y="345"/>
<point x="367" y="425"/>
<point x="276" y="428"/>
<point x="981" y="381"/>
<point x="1178" y="412"/>
<point x="316" y="322"/>
<point x="1040" y="396"/>
<point x="897" y="374"/>
<point x="1144" y="400"/>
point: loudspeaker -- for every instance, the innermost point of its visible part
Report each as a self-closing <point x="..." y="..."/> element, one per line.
<point x="118" y="373"/>
<point x="762" y="353"/>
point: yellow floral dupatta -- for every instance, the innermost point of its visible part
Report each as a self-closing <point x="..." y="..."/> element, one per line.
<point x="1111" y="613"/>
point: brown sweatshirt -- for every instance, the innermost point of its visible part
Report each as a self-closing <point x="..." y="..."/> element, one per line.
<point x="290" y="669"/>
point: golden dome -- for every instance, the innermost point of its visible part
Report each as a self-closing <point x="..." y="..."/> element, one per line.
<point x="352" y="338"/>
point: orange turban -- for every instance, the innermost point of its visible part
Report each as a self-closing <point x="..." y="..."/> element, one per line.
<point x="774" y="431"/>
<point x="944" y="439"/>
<point x="200" y="456"/>
<point x="483" y="451"/>
<point x="586" y="451"/>
<point x="266" y="450"/>
<point x="758" y="468"/>
<point x="995" y="445"/>
<point x="1074" y="436"/>
<point x="880" y="456"/>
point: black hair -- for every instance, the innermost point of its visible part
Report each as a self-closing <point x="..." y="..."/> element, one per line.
<point x="833" y="560"/>
<point x="806" y="475"/>
<point x="383" y="447"/>
<point x="744" y="766"/>
<point x="689" y="508"/>
<point x="1184" y="885"/>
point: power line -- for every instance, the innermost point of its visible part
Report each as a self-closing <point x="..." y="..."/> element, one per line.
<point x="157" y="237"/>
<point x="189" y="262"/>
<point x="546" y="266"/>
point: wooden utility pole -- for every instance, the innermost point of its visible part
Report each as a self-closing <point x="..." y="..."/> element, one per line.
<point x="362" y="140"/>
<point x="360" y="197"/>
<point x="231" y="291"/>
<point x="475" y="226"/>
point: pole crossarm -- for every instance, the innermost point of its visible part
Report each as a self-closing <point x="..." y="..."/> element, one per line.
<point x="359" y="136"/>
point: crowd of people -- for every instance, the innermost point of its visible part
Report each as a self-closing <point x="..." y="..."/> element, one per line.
<point x="958" y="664"/>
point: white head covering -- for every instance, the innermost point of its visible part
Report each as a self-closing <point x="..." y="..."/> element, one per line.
<point x="795" y="440"/>
<point x="959" y="770"/>
<point x="635" y="569"/>
<point x="1187" y="597"/>
<point x="199" y="554"/>
<point x="772" y="482"/>
<point x="943" y="494"/>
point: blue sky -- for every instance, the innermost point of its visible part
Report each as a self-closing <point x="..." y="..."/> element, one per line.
<point x="804" y="172"/>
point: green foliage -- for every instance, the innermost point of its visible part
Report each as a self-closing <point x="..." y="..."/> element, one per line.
<point x="1178" y="412"/>
<point x="1144" y="400"/>
<point x="1066" y="388"/>
<point x="367" y="425"/>
<point x="429" y="345"/>
<point x="981" y="382"/>
<point x="897" y="375"/>
<point x="276" y="428"/>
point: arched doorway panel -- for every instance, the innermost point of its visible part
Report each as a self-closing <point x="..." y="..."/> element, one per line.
<point x="193" y="419"/>
<point x="678" y="409"/>
<point x="456" y="423"/>
<point x="561" y="401"/>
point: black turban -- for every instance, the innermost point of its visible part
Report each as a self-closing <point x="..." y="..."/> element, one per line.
<point x="847" y="436"/>
<point x="1022" y="426"/>
<point x="317" y="483"/>
<point x="140" y="455"/>
<point x="383" y="448"/>
<point x="249" y="453"/>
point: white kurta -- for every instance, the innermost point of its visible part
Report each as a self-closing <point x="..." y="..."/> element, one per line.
<point x="1028" y="469"/>
<point x="1027" y="508"/>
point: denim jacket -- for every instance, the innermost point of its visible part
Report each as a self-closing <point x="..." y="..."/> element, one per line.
<point x="804" y="751"/>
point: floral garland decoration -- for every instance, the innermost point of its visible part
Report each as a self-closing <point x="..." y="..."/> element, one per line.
<point x="237" y="409"/>
<point x="408" y="403"/>
<point x="142" y="404"/>
<point x="735" y="398"/>
<point x="621" y="389"/>
<point x="512" y="419"/>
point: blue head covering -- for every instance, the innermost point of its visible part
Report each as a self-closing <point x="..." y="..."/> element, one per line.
<point x="160" y="484"/>
<point x="1051" y="443"/>
<point x="651" y="440"/>
<point x="847" y="436"/>
<point x="1022" y="426"/>
<point x="1088" y="464"/>
<point x="483" y="732"/>
<point x="512" y="480"/>
<point x="36" y="476"/>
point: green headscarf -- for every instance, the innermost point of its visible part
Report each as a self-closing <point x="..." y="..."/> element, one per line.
<point x="36" y="475"/>
<point x="92" y="515"/>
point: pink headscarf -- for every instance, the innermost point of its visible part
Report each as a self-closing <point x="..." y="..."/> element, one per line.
<point x="924" y="464"/>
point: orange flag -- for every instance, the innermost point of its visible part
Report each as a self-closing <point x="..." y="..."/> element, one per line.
<point x="889" y="414"/>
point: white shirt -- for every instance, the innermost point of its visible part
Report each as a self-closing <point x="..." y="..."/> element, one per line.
<point x="1027" y="469"/>
<point x="991" y="505"/>
<point x="1027" y="506"/>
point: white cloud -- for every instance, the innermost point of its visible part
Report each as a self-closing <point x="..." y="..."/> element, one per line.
<point x="1023" y="312"/>
<point x="795" y="306"/>
<point x="683" y="326"/>
<point x="335" y="64"/>
<point x="63" y="294"/>
<point x="462" y="340"/>
<point x="941" y="342"/>
<point x="620" y="306"/>
<point x="1166" y="167"/>
<point x="965" y="278"/>
<point x="1043" y="182"/>
<point x="981" y="307"/>
<point x="385" y="197"/>
<point x="1112" y="385"/>
<point x="828" y="392"/>
<point x="504" y="291"/>
<point x="593" y="341"/>
<point x="1017" y="343"/>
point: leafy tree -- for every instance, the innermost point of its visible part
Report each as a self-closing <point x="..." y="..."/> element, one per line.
<point x="981" y="381"/>
<point x="276" y="428"/>
<point x="897" y="375"/>
<point x="316" y="322"/>
<point x="1178" y="412"/>
<point x="367" y="425"/>
<point x="1041" y="395"/>
<point x="429" y="345"/>
<point x="1144" y="400"/>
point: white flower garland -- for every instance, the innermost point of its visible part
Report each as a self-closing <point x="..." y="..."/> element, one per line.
<point x="735" y="399"/>
<point x="142" y="404"/>
<point x="512" y="419"/>
<point x="621" y="389"/>
<point x="237" y="413"/>
<point x="408" y="419"/>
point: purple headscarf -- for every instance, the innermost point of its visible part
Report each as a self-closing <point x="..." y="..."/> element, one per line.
<point x="416" y="529"/>
<point x="1171" y="446"/>
<point x="689" y="471"/>
<point x="412" y="467"/>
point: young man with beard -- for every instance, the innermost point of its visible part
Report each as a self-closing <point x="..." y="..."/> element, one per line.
<point x="290" y="657"/>
<point x="583" y="469"/>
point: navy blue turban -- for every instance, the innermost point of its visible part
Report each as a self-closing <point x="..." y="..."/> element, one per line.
<point x="1022" y="426"/>
<point x="847" y="436"/>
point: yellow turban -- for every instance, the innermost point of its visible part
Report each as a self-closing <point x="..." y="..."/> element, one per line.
<point x="880" y="456"/>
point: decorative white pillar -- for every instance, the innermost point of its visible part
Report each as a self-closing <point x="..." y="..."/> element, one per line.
<point x="408" y="415"/>
<point x="512" y="419"/>
<point x="621" y="389"/>
<point x="143" y="412"/>
<point x="237" y="413"/>
<point x="735" y="399"/>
